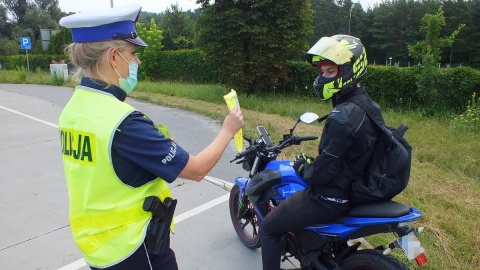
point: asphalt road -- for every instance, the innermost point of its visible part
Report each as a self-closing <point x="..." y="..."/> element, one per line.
<point x="35" y="232"/>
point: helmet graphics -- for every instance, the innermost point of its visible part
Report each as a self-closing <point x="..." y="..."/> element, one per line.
<point x="345" y="51"/>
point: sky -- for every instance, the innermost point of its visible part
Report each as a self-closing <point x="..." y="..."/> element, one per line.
<point x="155" y="6"/>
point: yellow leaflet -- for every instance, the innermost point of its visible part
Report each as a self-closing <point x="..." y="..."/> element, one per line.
<point x="232" y="102"/>
<point x="162" y="128"/>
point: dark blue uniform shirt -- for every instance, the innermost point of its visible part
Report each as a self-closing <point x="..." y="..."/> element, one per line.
<point x="139" y="152"/>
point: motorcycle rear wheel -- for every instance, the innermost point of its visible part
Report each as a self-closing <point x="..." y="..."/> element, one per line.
<point x="371" y="259"/>
<point x="247" y="227"/>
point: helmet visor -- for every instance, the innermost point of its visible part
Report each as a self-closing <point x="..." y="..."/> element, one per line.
<point x="329" y="49"/>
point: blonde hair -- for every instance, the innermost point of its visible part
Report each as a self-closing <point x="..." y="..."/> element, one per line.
<point x="87" y="56"/>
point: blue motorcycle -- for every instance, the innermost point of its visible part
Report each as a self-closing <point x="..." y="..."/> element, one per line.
<point x="335" y="245"/>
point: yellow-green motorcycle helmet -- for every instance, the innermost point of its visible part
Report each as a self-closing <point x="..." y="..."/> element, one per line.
<point x="345" y="51"/>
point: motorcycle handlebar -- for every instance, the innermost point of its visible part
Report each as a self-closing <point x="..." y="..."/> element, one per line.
<point x="248" y="151"/>
<point x="294" y="140"/>
<point x="308" y="138"/>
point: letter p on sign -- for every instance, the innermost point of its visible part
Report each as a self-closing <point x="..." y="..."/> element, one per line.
<point x="25" y="43"/>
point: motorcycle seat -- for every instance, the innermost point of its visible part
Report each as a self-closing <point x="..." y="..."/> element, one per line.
<point x="382" y="209"/>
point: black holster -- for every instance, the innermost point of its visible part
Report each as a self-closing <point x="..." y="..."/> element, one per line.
<point x="159" y="227"/>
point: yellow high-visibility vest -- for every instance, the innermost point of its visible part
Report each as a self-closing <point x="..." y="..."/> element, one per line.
<point x="106" y="216"/>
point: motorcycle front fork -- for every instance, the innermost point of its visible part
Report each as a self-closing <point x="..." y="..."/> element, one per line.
<point x="242" y="207"/>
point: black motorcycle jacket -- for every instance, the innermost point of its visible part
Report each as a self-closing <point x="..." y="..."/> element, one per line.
<point x="346" y="147"/>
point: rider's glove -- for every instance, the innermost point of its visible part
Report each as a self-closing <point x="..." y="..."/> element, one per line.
<point x="300" y="161"/>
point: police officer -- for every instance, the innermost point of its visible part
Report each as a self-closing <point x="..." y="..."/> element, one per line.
<point x="113" y="155"/>
<point x="346" y="146"/>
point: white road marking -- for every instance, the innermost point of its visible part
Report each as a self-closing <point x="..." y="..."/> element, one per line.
<point x="74" y="265"/>
<point x="195" y="211"/>
<point x="201" y="208"/>
<point x="29" y="116"/>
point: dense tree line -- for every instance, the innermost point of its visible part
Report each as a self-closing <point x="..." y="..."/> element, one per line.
<point x="390" y="26"/>
<point x="250" y="42"/>
<point x="386" y="28"/>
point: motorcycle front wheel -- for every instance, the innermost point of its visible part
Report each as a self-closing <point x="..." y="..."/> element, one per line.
<point x="372" y="259"/>
<point x="246" y="227"/>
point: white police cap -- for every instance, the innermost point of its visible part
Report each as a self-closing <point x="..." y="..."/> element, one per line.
<point x="107" y="24"/>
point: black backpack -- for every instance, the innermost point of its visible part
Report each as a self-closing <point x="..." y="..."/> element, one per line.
<point x="388" y="171"/>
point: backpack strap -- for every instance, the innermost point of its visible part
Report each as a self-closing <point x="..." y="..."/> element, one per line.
<point x="365" y="104"/>
<point x="321" y="119"/>
<point x="367" y="107"/>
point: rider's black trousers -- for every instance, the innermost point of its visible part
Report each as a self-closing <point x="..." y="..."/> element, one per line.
<point x="300" y="210"/>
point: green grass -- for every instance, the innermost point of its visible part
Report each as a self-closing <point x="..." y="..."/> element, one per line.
<point x="445" y="180"/>
<point x="22" y="76"/>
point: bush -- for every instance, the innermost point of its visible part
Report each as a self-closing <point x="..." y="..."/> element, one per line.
<point x="392" y="87"/>
<point x="35" y="61"/>
<point x="181" y="65"/>
<point x="300" y="79"/>
<point x="456" y="87"/>
<point x="396" y="88"/>
<point x="470" y="119"/>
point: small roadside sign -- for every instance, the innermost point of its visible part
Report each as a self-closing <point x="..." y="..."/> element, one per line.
<point x="25" y="43"/>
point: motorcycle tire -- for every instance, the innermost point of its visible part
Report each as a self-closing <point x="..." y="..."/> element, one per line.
<point x="247" y="227"/>
<point x="371" y="259"/>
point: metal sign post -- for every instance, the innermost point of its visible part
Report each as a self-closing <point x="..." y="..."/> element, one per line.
<point x="26" y="45"/>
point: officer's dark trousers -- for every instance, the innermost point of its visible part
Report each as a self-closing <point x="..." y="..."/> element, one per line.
<point x="295" y="213"/>
<point x="141" y="260"/>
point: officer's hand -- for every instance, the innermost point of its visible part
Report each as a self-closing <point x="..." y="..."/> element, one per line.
<point x="300" y="161"/>
<point x="234" y="121"/>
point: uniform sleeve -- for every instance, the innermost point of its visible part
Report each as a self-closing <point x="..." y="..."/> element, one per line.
<point x="140" y="153"/>
<point x="337" y="139"/>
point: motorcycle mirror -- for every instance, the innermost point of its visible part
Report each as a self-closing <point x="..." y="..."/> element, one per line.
<point x="308" y="117"/>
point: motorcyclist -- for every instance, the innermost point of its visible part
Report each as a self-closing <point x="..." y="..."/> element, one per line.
<point x="346" y="146"/>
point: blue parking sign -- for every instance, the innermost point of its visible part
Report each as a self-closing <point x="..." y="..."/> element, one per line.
<point x="25" y="43"/>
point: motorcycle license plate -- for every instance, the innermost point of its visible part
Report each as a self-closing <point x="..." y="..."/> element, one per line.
<point x="410" y="245"/>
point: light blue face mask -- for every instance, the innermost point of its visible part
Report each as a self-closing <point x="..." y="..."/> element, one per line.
<point x="130" y="82"/>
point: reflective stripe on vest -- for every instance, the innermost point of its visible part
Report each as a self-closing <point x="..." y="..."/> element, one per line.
<point x="106" y="216"/>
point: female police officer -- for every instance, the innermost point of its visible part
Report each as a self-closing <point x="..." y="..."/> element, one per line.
<point x="113" y="155"/>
